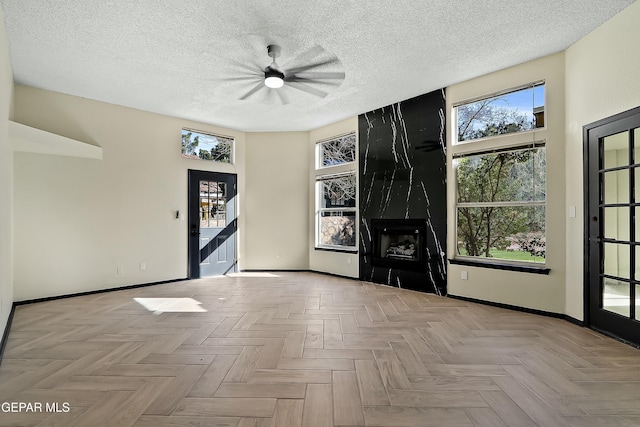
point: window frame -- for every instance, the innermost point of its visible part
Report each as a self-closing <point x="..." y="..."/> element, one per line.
<point x="318" y="162"/>
<point x="328" y="172"/>
<point x="532" y="85"/>
<point x="508" y="142"/>
<point x="214" y="135"/>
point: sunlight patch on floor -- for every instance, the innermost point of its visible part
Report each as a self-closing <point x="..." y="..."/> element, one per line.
<point x="252" y="274"/>
<point x="171" y="305"/>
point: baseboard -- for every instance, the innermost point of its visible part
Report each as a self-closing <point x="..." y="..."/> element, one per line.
<point x="277" y="270"/>
<point x="335" y="275"/>
<point x="98" y="291"/>
<point x="511" y="307"/>
<point x="5" y="335"/>
<point x="574" y="320"/>
<point x="298" y="271"/>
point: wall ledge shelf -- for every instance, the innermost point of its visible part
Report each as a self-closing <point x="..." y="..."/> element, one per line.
<point x="27" y="139"/>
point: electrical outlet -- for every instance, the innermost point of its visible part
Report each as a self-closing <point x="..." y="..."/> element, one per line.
<point x="119" y="271"/>
<point x="143" y="266"/>
<point x="349" y="260"/>
<point x="277" y="255"/>
<point x="464" y="275"/>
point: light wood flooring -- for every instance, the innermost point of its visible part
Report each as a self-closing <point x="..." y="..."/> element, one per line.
<point x="304" y="349"/>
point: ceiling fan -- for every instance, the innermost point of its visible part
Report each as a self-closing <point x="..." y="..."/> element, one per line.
<point x="305" y="77"/>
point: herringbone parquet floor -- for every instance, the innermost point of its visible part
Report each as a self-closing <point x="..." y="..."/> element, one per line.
<point x="303" y="349"/>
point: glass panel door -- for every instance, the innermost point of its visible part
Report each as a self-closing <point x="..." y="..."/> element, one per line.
<point x="613" y="247"/>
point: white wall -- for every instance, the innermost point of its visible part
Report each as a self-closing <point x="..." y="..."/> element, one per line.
<point x="76" y="220"/>
<point x="535" y="291"/>
<point x="276" y="201"/>
<point x="6" y="182"/>
<point x="601" y="80"/>
<point x="341" y="263"/>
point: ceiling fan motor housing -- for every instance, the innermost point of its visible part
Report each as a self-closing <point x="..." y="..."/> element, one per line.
<point x="273" y="76"/>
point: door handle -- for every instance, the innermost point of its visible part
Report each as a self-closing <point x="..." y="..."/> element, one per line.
<point x="195" y="231"/>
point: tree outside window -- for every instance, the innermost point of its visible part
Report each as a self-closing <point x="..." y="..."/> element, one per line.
<point x="501" y="193"/>
<point x="197" y="145"/>
<point x="501" y="205"/>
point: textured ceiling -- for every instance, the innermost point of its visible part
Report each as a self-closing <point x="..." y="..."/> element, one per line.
<point x="176" y="57"/>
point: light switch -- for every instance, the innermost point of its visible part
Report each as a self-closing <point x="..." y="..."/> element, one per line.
<point x="572" y="211"/>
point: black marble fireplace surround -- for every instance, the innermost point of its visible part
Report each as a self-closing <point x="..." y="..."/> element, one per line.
<point x="402" y="161"/>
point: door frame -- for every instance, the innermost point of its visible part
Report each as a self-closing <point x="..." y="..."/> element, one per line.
<point x="598" y="129"/>
<point x="193" y="257"/>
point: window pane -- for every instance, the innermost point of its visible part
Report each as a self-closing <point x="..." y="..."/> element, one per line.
<point x="636" y="172"/>
<point x="219" y="211"/>
<point x="616" y="259"/>
<point x="615" y="297"/>
<point x="616" y="150"/>
<point x="515" y="233"/>
<point x="616" y="186"/>
<point x="339" y="192"/>
<point x="338" y="151"/>
<point x="517" y="111"/>
<point x="337" y="228"/>
<point x="637" y="302"/>
<point x="616" y="223"/>
<point x="212" y="204"/>
<point x="196" y="145"/>
<point x="513" y="176"/>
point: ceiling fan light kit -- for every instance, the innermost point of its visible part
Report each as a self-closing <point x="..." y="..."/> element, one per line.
<point x="273" y="78"/>
<point x="304" y="73"/>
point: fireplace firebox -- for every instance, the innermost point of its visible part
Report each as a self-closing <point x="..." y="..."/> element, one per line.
<point x="399" y="243"/>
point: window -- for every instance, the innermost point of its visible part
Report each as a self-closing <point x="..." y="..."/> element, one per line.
<point x="336" y="193"/>
<point x="203" y="146"/>
<point x="513" y="111"/>
<point x="337" y="151"/>
<point x="337" y="215"/>
<point x="501" y="186"/>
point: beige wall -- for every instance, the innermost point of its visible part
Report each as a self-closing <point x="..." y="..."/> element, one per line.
<point x="535" y="291"/>
<point x="77" y="220"/>
<point x="601" y="80"/>
<point x="341" y="263"/>
<point x="6" y="182"/>
<point x="276" y="201"/>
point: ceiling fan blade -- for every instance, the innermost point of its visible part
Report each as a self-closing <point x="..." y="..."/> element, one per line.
<point x="309" y="89"/>
<point x="231" y="79"/>
<point x="256" y="88"/>
<point x="283" y="96"/>
<point x="297" y="70"/>
<point x="254" y="70"/>
<point x="319" y="75"/>
<point x="306" y="56"/>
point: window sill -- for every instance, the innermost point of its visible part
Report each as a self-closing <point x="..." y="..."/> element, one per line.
<point x="344" y="250"/>
<point x="499" y="266"/>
